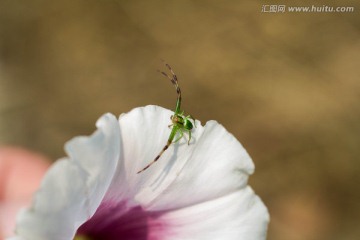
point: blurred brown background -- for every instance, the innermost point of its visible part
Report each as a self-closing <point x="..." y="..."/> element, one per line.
<point x="285" y="84"/>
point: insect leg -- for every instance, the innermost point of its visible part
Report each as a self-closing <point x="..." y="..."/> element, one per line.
<point x="174" y="130"/>
<point x="189" y="131"/>
<point x="188" y="139"/>
<point x="157" y="157"/>
<point x="181" y="135"/>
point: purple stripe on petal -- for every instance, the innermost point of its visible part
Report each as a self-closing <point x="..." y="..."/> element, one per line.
<point x="115" y="221"/>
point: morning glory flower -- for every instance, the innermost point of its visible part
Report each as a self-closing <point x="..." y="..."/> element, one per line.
<point x="197" y="191"/>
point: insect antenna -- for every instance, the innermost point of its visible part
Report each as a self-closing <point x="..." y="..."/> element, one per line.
<point x="174" y="81"/>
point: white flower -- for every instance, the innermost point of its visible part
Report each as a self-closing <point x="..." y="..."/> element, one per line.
<point x="197" y="191"/>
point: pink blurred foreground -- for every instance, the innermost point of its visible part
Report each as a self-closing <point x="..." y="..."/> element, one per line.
<point x="20" y="174"/>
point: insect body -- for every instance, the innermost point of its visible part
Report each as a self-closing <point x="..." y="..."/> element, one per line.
<point x="180" y="122"/>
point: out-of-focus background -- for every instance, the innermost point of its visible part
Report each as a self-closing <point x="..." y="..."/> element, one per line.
<point x="285" y="84"/>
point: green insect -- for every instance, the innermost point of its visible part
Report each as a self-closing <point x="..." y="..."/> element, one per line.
<point x="180" y="122"/>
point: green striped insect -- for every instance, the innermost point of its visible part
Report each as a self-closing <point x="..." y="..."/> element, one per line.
<point x="179" y="122"/>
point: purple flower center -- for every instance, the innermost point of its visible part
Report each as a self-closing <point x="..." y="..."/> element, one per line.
<point x="115" y="221"/>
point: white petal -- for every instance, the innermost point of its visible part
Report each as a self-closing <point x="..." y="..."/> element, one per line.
<point x="98" y="156"/>
<point x="144" y="133"/>
<point x="237" y="216"/>
<point x="73" y="188"/>
<point x="15" y="238"/>
<point x="217" y="166"/>
<point x="213" y="165"/>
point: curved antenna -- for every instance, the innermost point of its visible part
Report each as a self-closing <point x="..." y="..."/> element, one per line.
<point x="174" y="81"/>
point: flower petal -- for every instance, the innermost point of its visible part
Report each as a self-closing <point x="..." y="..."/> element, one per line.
<point x="15" y="238"/>
<point x="183" y="170"/>
<point x="73" y="188"/>
<point x="216" y="166"/>
<point x="239" y="216"/>
<point x="144" y="133"/>
<point x="98" y="156"/>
